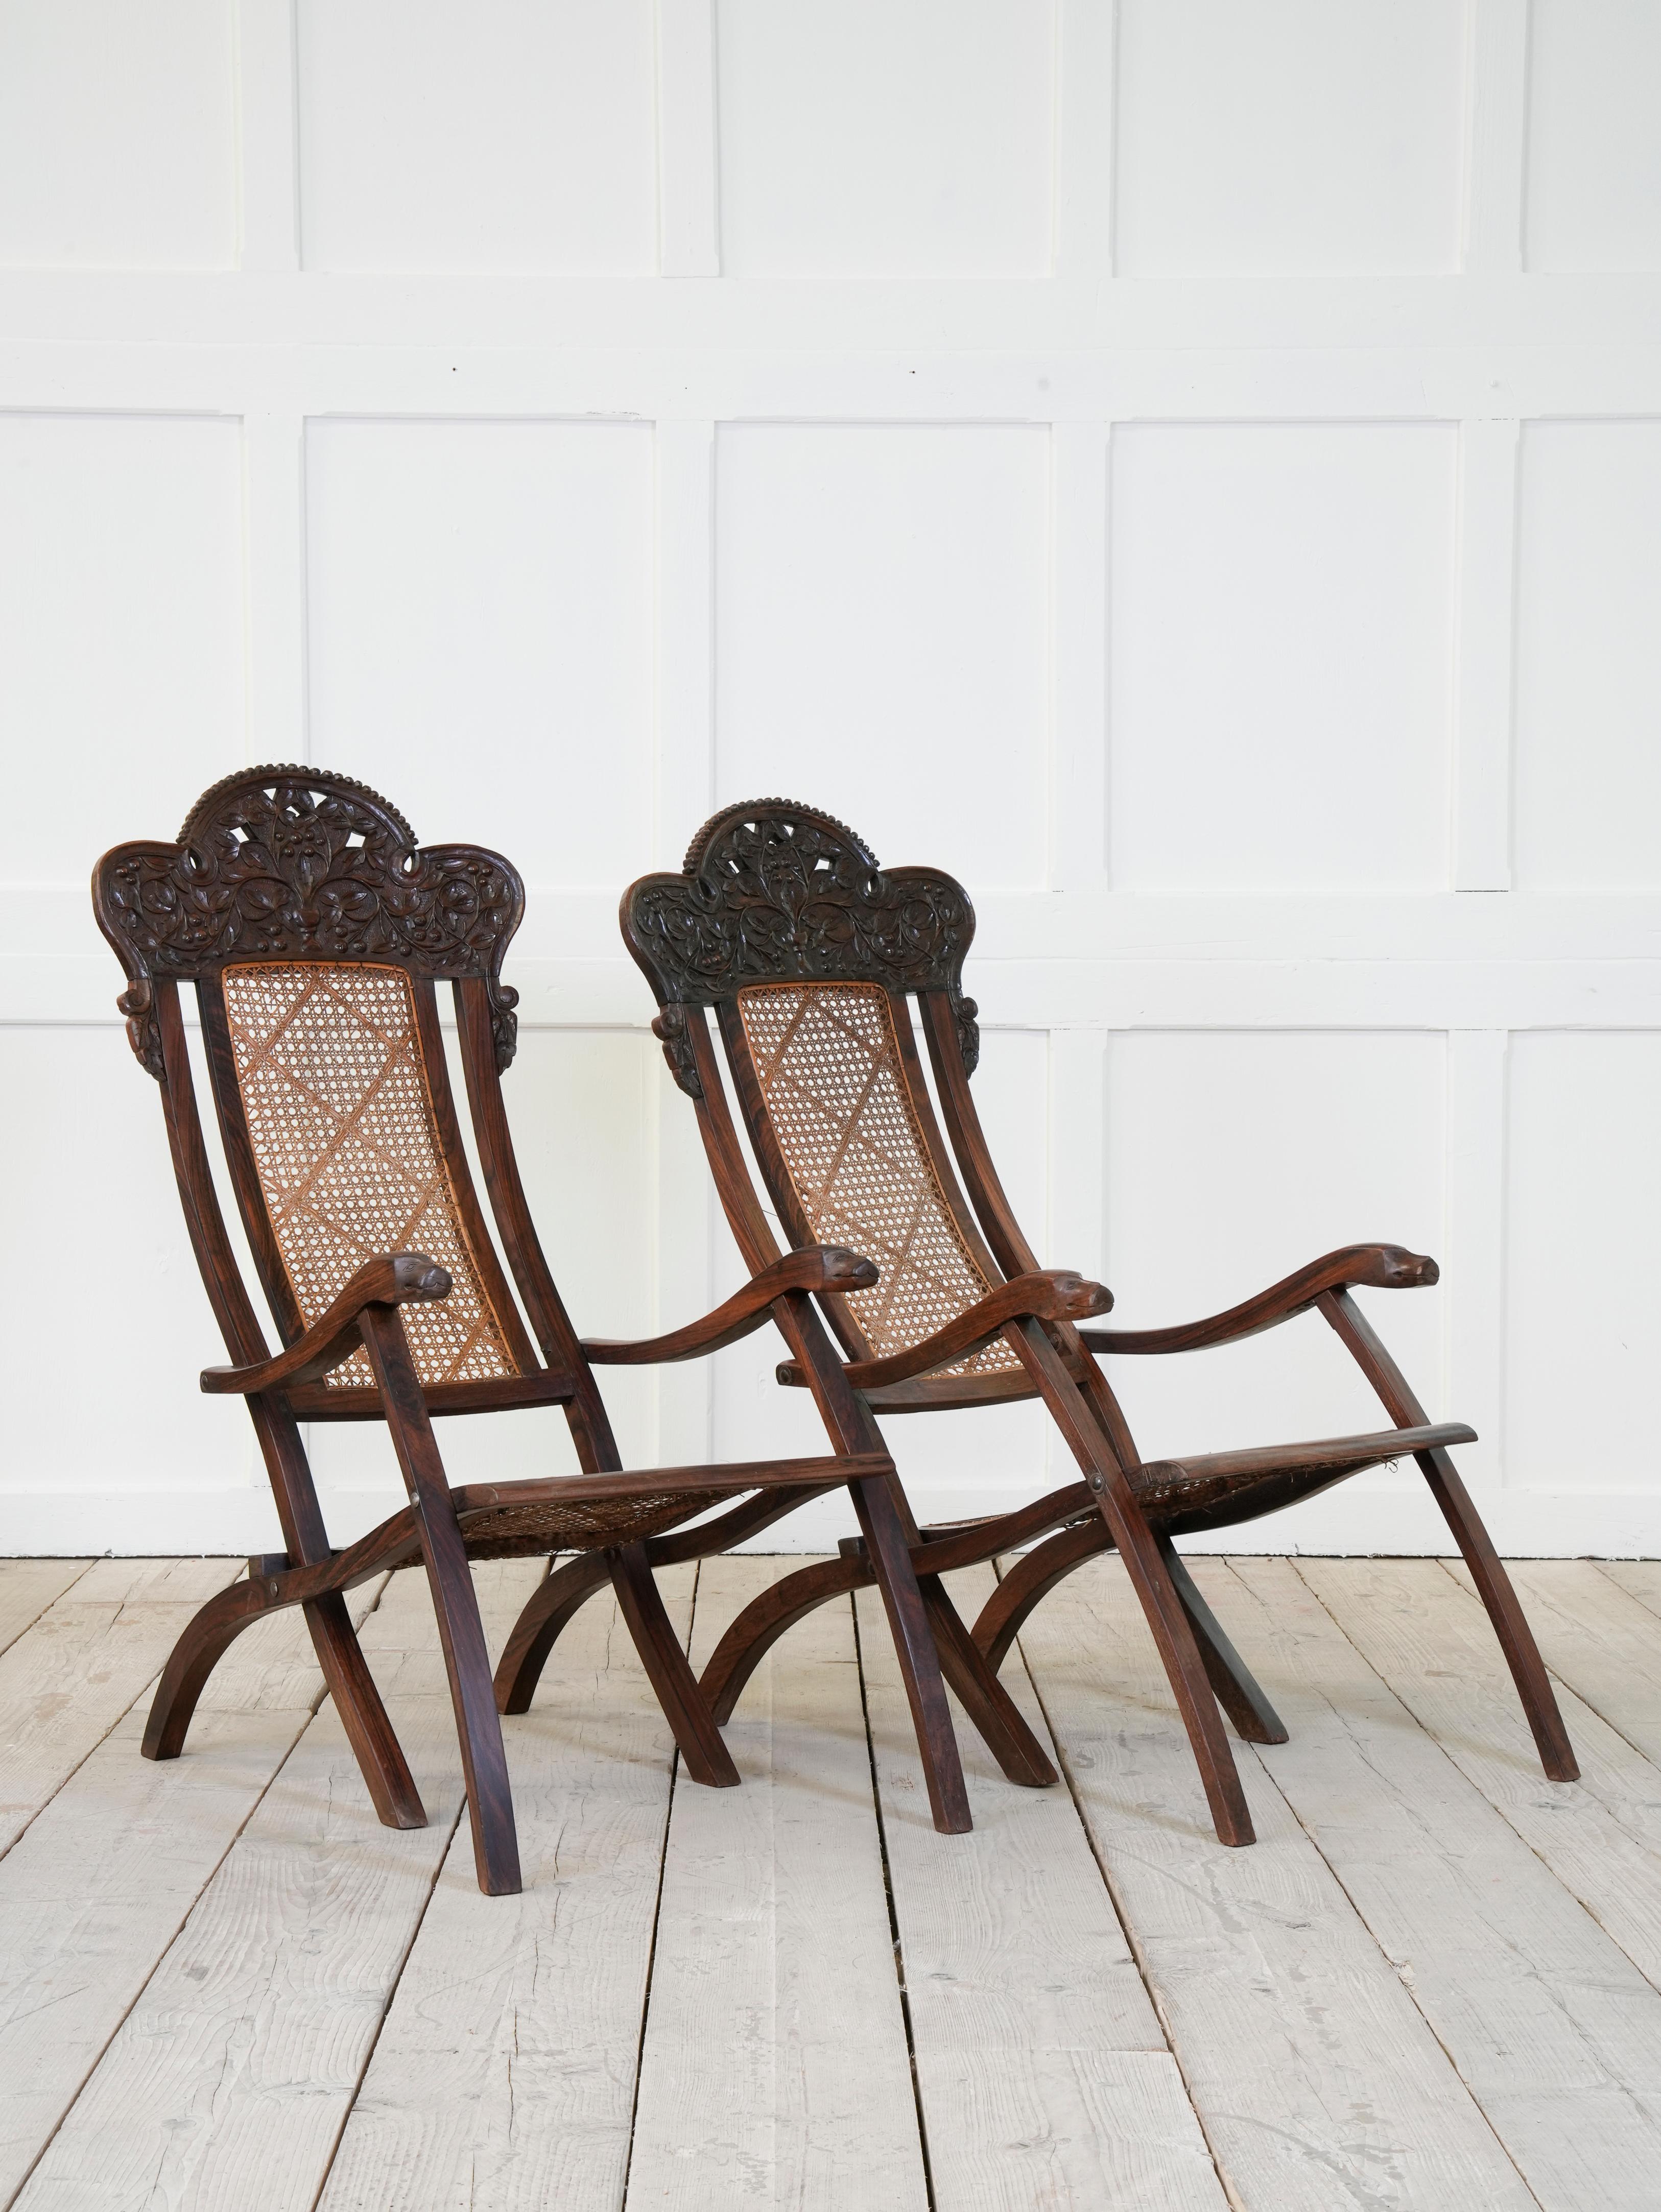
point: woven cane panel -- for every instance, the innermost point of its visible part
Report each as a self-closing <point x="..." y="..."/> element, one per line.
<point x="517" y="1532"/>
<point x="340" y="1118"/>
<point x="828" y="1066"/>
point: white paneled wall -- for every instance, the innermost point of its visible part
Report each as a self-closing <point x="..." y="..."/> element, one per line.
<point x="1192" y="469"/>
<point x="1280" y="622"/>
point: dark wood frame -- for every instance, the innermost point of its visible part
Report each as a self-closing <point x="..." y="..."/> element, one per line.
<point x="300" y="866"/>
<point x="775" y="892"/>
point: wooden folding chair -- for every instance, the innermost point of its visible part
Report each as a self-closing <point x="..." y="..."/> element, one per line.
<point x="810" y="956"/>
<point x="315" y="934"/>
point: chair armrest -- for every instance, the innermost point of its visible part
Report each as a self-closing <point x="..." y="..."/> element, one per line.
<point x="394" y="1280"/>
<point x="816" y="1267"/>
<point x="1050" y="1294"/>
<point x="1377" y="1267"/>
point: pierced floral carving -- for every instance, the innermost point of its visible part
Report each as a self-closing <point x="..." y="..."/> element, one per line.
<point x="775" y="892"/>
<point x="295" y="862"/>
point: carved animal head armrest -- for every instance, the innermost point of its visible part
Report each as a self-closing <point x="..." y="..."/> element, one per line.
<point x="298" y="863"/>
<point x="771" y="891"/>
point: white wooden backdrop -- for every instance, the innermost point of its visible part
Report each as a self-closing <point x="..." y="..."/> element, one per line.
<point x="1191" y="468"/>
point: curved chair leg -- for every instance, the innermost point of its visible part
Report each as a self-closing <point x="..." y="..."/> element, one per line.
<point x="1002" y="1618"/>
<point x="981" y="1694"/>
<point x="1493" y="1584"/>
<point x="707" y="1759"/>
<point x="1032" y="1579"/>
<point x="754" y="1631"/>
<point x="209" y="1636"/>
<point x="1236" y="1692"/>
<point x="551" y="1607"/>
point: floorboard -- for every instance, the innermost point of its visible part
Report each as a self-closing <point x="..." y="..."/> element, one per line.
<point x="28" y="1587"/>
<point x="1640" y="1578"/>
<point x="1597" y="1637"/>
<point x="230" y="2080"/>
<point x="505" y="2074"/>
<point x="1549" y="2024"/>
<point x="1434" y="1982"/>
<point x="70" y="1677"/>
<point x="1044" y="2076"/>
<point x="98" y="1886"/>
<point x="1432" y="1641"/>
<point x="1317" y="2079"/>
<point x="774" y="2070"/>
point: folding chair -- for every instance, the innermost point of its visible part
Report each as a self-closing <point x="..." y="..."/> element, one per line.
<point x="315" y="933"/>
<point x="810" y="956"/>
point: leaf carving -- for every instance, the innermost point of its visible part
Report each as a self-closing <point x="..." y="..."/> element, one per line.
<point x="772" y="891"/>
<point x="291" y="862"/>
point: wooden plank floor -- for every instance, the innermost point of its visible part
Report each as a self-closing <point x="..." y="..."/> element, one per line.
<point x="1435" y="1982"/>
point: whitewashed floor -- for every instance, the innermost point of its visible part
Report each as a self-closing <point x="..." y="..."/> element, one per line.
<point x="1435" y="1982"/>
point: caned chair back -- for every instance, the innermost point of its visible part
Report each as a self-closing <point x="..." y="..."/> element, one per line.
<point x="827" y="1065"/>
<point x="315" y="933"/>
<point x="783" y="924"/>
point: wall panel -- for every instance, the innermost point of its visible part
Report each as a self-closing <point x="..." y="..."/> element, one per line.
<point x="884" y="138"/>
<point x="1233" y="1158"/>
<point x="117" y="134"/>
<point x="1588" y="676"/>
<point x="121" y="646"/>
<point x="1594" y="153"/>
<point x="882" y="608"/>
<point x="104" y="1417"/>
<point x="1289" y="135"/>
<point x="1280" y="656"/>
<point x="510" y="134"/>
<point x="480" y="632"/>
<point x="1584" y="1302"/>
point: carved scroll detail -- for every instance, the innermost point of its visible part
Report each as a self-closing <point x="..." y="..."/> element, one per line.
<point x="773" y="892"/>
<point x="670" y="1029"/>
<point x="291" y="862"/>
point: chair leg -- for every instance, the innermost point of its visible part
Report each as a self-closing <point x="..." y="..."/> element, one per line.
<point x="478" y="1726"/>
<point x="1493" y="1584"/>
<point x="461" y="1632"/>
<point x="1179" y="1650"/>
<point x="1236" y="1692"/>
<point x="707" y="1759"/>
<point x="890" y="1556"/>
<point x="983" y="1698"/>
<point x="1511" y="1625"/>
<point x="1088" y="1416"/>
<point x="210" y="1635"/>
<point x="204" y="1643"/>
<point x="380" y="1756"/>
<point x="765" y="1619"/>
<point x="555" y="1602"/>
<point x="1035" y="1575"/>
